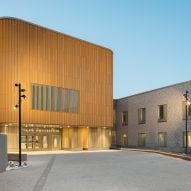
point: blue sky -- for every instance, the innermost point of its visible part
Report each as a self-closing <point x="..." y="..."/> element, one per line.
<point x="151" y="39"/>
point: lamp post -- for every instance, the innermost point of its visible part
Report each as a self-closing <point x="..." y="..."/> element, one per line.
<point x="186" y="113"/>
<point x="19" y="106"/>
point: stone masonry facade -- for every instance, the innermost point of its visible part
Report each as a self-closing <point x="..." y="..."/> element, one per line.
<point x="173" y="127"/>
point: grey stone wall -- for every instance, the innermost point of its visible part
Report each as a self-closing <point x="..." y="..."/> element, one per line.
<point x="121" y="105"/>
<point x="3" y="152"/>
<point x="174" y="127"/>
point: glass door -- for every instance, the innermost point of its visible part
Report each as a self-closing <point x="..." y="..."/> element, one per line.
<point x="30" y="142"/>
<point x="24" y="142"/>
<point x="55" y="142"/>
<point x="44" y="142"/>
<point x="36" y="142"/>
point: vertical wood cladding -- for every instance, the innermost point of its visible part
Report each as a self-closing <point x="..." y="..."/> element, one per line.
<point x="32" y="54"/>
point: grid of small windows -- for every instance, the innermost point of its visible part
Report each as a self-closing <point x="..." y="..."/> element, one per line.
<point x="50" y="98"/>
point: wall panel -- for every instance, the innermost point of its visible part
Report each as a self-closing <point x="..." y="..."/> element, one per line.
<point x="33" y="54"/>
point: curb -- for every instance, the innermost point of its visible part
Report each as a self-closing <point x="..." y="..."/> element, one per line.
<point x="180" y="156"/>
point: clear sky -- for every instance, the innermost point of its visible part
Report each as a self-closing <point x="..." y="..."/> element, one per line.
<point x="151" y="39"/>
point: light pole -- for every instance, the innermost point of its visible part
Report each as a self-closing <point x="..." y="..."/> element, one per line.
<point x="19" y="106"/>
<point x="186" y="113"/>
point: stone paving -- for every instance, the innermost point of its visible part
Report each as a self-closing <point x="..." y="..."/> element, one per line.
<point x="99" y="171"/>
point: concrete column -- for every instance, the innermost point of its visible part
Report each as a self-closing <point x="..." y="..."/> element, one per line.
<point x="3" y="152"/>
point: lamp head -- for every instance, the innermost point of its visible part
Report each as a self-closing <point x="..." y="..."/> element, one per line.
<point x="16" y="106"/>
<point x="24" y="96"/>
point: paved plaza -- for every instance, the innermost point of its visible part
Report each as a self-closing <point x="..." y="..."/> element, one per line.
<point x="99" y="171"/>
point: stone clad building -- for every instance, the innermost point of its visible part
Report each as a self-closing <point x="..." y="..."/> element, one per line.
<point x="154" y="119"/>
<point x="69" y="89"/>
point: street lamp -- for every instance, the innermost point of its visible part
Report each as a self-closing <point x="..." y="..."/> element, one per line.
<point x="186" y="113"/>
<point x="19" y="106"/>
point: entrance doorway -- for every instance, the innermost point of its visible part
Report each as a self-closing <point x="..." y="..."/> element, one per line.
<point x="34" y="139"/>
<point x="56" y="142"/>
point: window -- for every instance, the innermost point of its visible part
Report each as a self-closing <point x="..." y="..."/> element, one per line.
<point x="49" y="98"/>
<point x="142" y="139"/>
<point x="125" y="118"/>
<point x="188" y="110"/>
<point x="162" y="139"/>
<point x="124" y="140"/>
<point x="141" y="115"/>
<point x="189" y="138"/>
<point x="162" y="110"/>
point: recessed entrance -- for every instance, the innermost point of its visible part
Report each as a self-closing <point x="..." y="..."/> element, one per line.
<point x="40" y="139"/>
<point x="40" y="142"/>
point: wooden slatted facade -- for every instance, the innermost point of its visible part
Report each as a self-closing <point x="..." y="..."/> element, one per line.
<point x="33" y="54"/>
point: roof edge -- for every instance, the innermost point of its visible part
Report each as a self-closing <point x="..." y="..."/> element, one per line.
<point x="149" y="91"/>
<point x="52" y="30"/>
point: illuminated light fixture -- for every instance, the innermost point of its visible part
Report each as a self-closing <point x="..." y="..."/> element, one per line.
<point x="24" y="96"/>
<point x="186" y="113"/>
<point x="16" y="106"/>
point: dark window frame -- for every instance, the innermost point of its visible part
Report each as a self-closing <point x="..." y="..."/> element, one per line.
<point x="142" y="115"/>
<point x="162" y="113"/>
<point x="125" y="118"/>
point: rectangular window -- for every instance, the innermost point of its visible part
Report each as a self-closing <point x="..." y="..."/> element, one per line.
<point x="124" y="140"/>
<point x="142" y="115"/>
<point x="162" y="111"/>
<point x="188" y="110"/>
<point x="49" y="98"/>
<point x="142" y="139"/>
<point x="125" y="118"/>
<point x="188" y="139"/>
<point x="162" y="139"/>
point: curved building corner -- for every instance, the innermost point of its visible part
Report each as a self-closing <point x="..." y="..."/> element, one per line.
<point x="69" y="89"/>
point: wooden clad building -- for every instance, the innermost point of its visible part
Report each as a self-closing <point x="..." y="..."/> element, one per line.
<point x="69" y="89"/>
